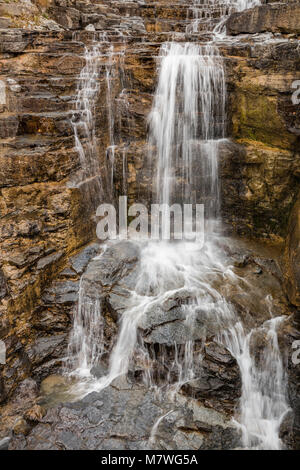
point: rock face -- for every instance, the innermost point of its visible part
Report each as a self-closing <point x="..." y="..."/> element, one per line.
<point x="47" y="221"/>
<point x="292" y="256"/>
<point x="128" y="415"/>
<point x="123" y="418"/>
<point x="109" y="282"/>
<point x="277" y="18"/>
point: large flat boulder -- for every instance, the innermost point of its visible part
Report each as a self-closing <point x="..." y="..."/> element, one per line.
<point x="281" y="18"/>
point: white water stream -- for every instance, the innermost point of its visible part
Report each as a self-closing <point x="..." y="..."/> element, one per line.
<point x="83" y="119"/>
<point x="187" y="125"/>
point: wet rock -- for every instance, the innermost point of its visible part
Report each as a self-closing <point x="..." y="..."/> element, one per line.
<point x="48" y="260"/>
<point x="289" y="340"/>
<point x="62" y="293"/>
<point x="43" y="348"/>
<point x="164" y="323"/>
<point x="117" y="262"/>
<point x="4" y="443"/>
<point x="253" y="203"/>
<point x="291" y="259"/>
<point x="52" y="383"/>
<point x="218" y="382"/>
<point x="80" y="261"/>
<point x="124" y="419"/>
<point x="3" y="288"/>
<point x="283" y="18"/>
<point x="99" y="371"/>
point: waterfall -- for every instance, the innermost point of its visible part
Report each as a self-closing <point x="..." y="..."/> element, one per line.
<point x="110" y="116"/>
<point x="187" y="124"/>
<point x="85" y="346"/>
<point x="263" y="403"/>
<point x="191" y="84"/>
<point x="83" y="122"/>
<point x="86" y="343"/>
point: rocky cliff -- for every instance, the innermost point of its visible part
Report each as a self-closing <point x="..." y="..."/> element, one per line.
<point x="47" y="222"/>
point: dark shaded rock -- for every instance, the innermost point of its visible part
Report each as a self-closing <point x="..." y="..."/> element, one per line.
<point x="80" y="261"/>
<point x="282" y="18"/>
<point x="62" y="292"/>
<point x="49" y="260"/>
<point x="124" y="418"/>
<point x="289" y="342"/>
<point x="2" y="390"/>
<point x="252" y="200"/>
<point x="99" y="371"/>
<point x="3" y="288"/>
<point x="218" y="379"/>
<point x="49" y="367"/>
<point x="222" y="439"/>
<point x="115" y="263"/>
<point x="46" y="347"/>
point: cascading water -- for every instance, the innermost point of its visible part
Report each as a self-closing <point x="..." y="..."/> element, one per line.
<point x="114" y="66"/>
<point x="110" y="117"/>
<point x="190" y="72"/>
<point x="191" y="84"/>
<point x="86" y="341"/>
<point x="83" y="122"/>
<point x="100" y="54"/>
<point x="263" y="403"/>
<point x="187" y="126"/>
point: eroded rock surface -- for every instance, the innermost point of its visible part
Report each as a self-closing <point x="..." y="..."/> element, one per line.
<point x="277" y="18"/>
<point x="292" y="256"/>
<point x="123" y="417"/>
